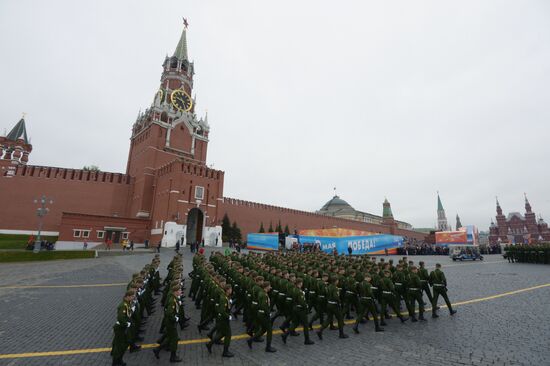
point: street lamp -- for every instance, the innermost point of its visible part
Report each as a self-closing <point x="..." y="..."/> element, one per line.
<point x="41" y="212"/>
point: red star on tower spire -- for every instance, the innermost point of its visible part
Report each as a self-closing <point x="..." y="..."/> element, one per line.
<point x="185" y="24"/>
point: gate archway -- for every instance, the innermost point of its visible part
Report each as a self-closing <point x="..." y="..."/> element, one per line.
<point x="195" y="223"/>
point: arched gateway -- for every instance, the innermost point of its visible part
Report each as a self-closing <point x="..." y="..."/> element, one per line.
<point x="195" y="223"/>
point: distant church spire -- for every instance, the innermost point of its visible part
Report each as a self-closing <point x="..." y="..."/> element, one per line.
<point x="441" y="217"/>
<point x="458" y="223"/>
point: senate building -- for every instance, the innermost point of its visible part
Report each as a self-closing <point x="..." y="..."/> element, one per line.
<point x="166" y="180"/>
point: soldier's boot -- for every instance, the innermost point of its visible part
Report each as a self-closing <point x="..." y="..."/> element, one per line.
<point x="383" y="322"/>
<point x="294" y="333"/>
<point x="226" y="352"/>
<point x="434" y="314"/>
<point x="332" y="326"/>
<point x="209" y="346"/>
<point x="308" y="342"/>
<point x="270" y="349"/>
<point x="377" y="327"/>
<point x="284" y="336"/>
<point x="134" y="348"/>
<point x="258" y="339"/>
<point x="403" y="319"/>
<point x="174" y="357"/>
<point x="156" y="351"/>
<point x="356" y="328"/>
<point x="342" y="334"/>
<point x="452" y="312"/>
<point x="249" y="342"/>
<point x="413" y="319"/>
<point x="320" y="334"/>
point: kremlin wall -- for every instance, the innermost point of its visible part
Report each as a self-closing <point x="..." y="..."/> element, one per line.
<point x="166" y="180"/>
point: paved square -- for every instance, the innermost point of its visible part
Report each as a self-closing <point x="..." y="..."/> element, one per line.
<point x="502" y="319"/>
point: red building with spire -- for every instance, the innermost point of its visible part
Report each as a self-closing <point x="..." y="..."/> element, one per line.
<point x="518" y="228"/>
<point x="166" y="180"/>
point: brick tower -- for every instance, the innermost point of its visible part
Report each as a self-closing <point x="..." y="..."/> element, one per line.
<point x="387" y="216"/>
<point x="441" y="217"/>
<point x="166" y="131"/>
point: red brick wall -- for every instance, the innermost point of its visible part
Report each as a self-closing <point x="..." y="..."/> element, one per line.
<point x="72" y="190"/>
<point x="249" y="216"/>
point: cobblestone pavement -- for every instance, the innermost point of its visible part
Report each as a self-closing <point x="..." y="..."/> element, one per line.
<point x="513" y="329"/>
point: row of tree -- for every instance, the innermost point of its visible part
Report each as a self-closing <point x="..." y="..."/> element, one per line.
<point x="278" y="228"/>
<point x="230" y="232"/>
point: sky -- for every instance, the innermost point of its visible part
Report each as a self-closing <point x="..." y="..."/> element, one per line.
<point x="379" y="99"/>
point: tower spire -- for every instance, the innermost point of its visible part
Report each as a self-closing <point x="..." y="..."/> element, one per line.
<point x="386" y="209"/>
<point x="19" y="131"/>
<point x="181" y="49"/>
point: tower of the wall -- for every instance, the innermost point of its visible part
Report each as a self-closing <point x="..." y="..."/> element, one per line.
<point x="441" y="217"/>
<point x="166" y="131"/>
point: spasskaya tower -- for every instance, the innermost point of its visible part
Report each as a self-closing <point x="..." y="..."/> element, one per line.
<point x="168" y="130"/>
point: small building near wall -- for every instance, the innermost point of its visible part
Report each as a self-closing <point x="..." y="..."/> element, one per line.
<point x="77" y="227"/>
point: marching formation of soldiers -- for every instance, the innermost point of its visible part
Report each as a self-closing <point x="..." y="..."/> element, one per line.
<point x="137" y="302"/>
<point x="292" y="286"/>
<point x="174" y="311"/>
<point x="528" y="253"/>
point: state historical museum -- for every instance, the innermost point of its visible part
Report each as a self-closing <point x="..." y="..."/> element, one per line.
<point x="166" y="180"/>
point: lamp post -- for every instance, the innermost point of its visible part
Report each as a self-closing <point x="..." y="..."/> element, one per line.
<point x="41" y="212"/>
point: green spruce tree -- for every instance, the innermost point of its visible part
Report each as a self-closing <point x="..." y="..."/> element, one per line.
<point x="262" y="230"/>
<point x="236" y="232"/>
<point x="287" y="231"/>
<point x="279" y="228"/>
<point x="226" y="229"/>
<point x="270" y="230"/>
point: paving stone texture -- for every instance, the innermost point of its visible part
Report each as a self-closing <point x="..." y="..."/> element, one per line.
<point x="509" y="330"/>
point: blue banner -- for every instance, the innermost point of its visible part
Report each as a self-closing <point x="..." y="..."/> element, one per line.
<point x="263" y="241"/>
<point x="371" y="244"/>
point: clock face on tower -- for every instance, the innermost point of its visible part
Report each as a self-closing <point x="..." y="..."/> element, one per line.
<point x="181" y="100"/>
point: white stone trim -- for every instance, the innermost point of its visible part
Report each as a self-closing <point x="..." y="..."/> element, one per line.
<point x="29" y="232"/>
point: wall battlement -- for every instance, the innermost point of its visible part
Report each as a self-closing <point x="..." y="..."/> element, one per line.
<point x="47" y="172"/>
<point x="190" y="168"/>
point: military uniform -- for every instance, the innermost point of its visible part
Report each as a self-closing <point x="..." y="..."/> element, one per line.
<point x="333" y="310"/>
<point x="365" y="304"/>
<point x="414" y="294"/>
<point x="120" y="341"/>
<point x="439" y="284"/>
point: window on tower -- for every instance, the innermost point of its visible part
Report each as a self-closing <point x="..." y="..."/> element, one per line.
<point x="173" y="63"/>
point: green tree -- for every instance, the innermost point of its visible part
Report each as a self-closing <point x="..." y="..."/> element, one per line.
<point x="236" y="232"/>
<point x="226" y="228"/>
<point x="287" y="231"/>
<point x="279" y="228"/>
<point x="91" y="168"/>
<point x="270" y="230"/>
<point x="262" y="230"/>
